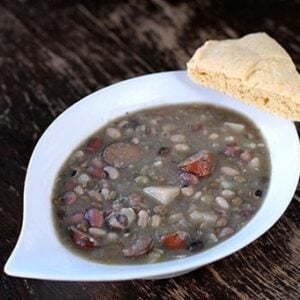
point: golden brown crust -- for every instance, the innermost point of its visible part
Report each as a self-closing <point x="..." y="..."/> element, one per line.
<point x="255" y="69"/>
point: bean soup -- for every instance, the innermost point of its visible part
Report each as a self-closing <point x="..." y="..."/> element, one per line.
<point x="161" y="184"/>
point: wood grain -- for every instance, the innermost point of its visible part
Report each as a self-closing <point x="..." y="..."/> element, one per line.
<point x="52" y="53"/>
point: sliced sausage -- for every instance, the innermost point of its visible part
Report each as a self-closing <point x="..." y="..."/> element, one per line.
<point x="82" y="239"/>
<point x="138" y="246"/>
<point x="121" y="155"/>
<point x="175" y="240"/>
<point x="201" y="164"/>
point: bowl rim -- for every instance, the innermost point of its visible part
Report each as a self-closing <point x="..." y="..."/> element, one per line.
<point x="126" y="272"/>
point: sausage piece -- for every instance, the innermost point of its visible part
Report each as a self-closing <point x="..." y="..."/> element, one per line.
<point x="139" y="246"/>
<point x="201" y="164"/>
<point x="121" y="155"/>
<point x="83" y="240"/>
<point x="175" y="240"/>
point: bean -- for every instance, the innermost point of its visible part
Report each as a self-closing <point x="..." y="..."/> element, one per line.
<point x="236" y="127"/>
<point x="96" y="172"/>
<point x="213" y="136"/>
<point x="83" y="179"/>
<point x="206" y="217"/>
<point x="155" y="221"/>
<point x="113" y="133"/>
<point x="221" y="222"/>
<point x="233" y="151"/>
<point x="228" y="194"/>
<point x="79" y="154"/>
<point x="96" y="195"/>
<point x="181" y="147"/>
<point x="254" y="163"/>
<point x="207" y="199"/>
<point x="213" y="237"/>
<point x="225" y="184"/>
<point x="142" y="180"/>
<point x="226" y="231"/>
<point x="222" y="202"/>
<point x="112" y="237"/>
<point x="70" y="198"/>
<point x="135" y="140"/>
<point x="229" y="171"/>
<point x="175" y="217"/>
<point x="75" y="218"/>
<point x="154" y="255"/>
<point x="97" y="232"/>
<point x="95" y="217"/>
<point x="197" y="195"/>
<point x="105" y="192"/>
<point x="94" y="144"/>
<point x="178" y="138"/>
<point x="189" y="178"/>
<point x="187" y="191"/>
<point x="237" y="201"/>
<point x="157" y="163"/>
<point x="168" y="127"/>
<point x="129" y="213"/>
<point x="112" y="172"/>
<point x="143" y="219"/>
<point x="79" y="190"/>
<point x="246" y="156"/>
<point x="96" y="162"/>
<point x="123" y="123"/>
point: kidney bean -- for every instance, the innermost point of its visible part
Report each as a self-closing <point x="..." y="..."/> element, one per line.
<point x="94" y="144"/>
<point x="226" y="231"/>
<point x="246" y="156"/>
<point x="96" y="173"/>
<point x="70" y="198"/>
<point x="189" y="178"/>
<point x="95" y="217"/>
<point x="75" y="218"/>
<point x="69" y="185"/>
<point x="233" y="151"/>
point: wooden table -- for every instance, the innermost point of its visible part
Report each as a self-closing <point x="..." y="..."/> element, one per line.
<point x="52" y="53"/>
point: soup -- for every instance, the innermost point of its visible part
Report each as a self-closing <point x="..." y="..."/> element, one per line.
<point x="161" y="184"/>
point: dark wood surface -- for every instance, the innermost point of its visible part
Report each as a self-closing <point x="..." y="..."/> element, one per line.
<point x="52" y="53"/>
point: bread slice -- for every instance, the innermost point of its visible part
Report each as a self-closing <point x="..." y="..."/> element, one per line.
<point x="254" y="69"/>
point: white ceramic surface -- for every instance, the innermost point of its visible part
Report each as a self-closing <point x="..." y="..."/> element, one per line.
<point x="40" y="254"/>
